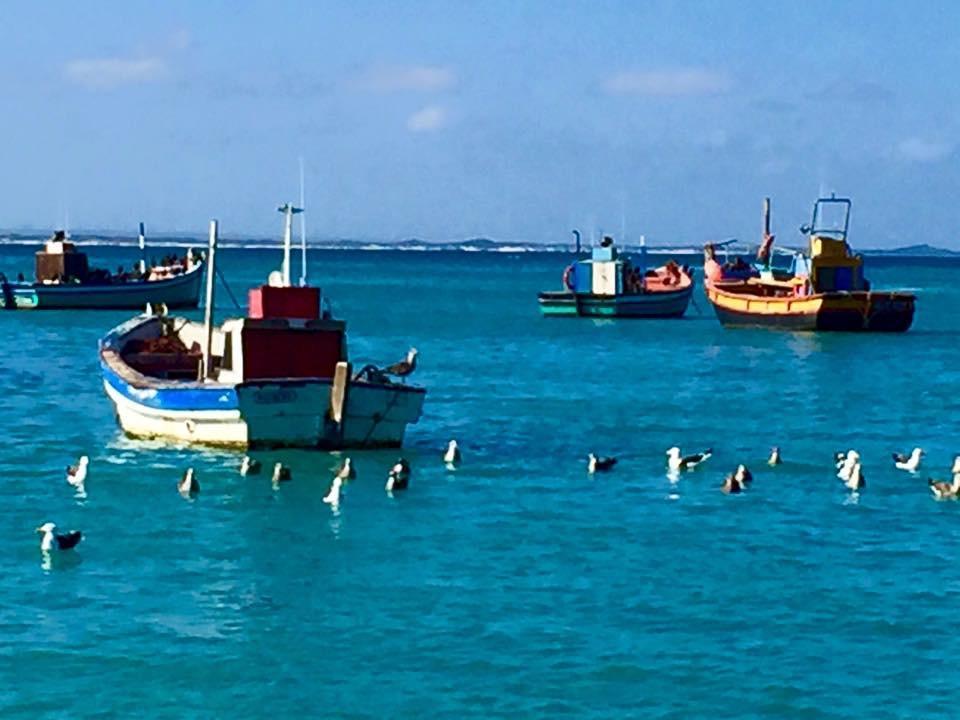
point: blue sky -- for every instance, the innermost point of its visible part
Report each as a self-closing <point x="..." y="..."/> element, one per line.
<point x="500" y="119"/>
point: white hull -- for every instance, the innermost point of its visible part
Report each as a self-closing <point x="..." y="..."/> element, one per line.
<point x="281" y="414"/>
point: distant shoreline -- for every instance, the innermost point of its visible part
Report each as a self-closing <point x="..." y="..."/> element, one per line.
<point x="413" y="245"/>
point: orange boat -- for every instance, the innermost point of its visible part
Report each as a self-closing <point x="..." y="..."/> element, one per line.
<point x="826" y="290"/>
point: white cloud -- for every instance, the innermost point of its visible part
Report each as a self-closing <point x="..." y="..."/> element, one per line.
<point x="668" y="82"/>
<point x="432" y="117"/>
<point x="918" y="149"/>
<point x="105" y="73"/>
<point x="417" y="78"/>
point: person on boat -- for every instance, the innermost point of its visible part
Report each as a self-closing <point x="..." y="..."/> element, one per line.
<point x="764" y="252"/>
<point x="607" y="241"/>
<point x="712" y="270"/>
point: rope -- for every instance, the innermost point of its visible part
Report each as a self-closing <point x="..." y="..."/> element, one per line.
<point x="377" y="420"/>
<point x="226" y="287"/>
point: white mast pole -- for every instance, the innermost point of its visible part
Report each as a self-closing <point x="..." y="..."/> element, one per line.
<point x="303" y="232"/>
<point x="208" y="307"/>
<point x="287" y="227"/>
<point x="143" y="256"/>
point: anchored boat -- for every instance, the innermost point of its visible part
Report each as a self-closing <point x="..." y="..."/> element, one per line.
<point x="608" y="285"/>
<point x="276" y="378"/>
<point x="64" y="280"/>
<point x="825" y="290"/>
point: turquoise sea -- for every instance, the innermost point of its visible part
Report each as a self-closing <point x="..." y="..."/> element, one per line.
<point x="517" y="586"/>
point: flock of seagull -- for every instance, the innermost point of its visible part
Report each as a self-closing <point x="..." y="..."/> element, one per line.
<point x="398" y="478"/>
<point x="847" y="465"/>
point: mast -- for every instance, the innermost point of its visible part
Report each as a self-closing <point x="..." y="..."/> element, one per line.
<point x="288" y="211"/>
<point x="208" y="307"/>
<point x="303" y="233"/>
<point x="143" y="256"/>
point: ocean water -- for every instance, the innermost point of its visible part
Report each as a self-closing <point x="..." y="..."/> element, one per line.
<point x="517" y="586"/>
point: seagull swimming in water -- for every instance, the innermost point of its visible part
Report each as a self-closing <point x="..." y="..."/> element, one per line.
<point x="599" y="464"/>
<point x="281" y="473"/>
<point x="774" y="457"/>
<point x="249" y="466"/>
<point x="731" y="485"/>
<point x="676" y="461"/>
<point x="856" y="480"/>
<point x="188" y="485"/>
<point x="332" y="498"/>
<point x="58" y="541"/>
<point x="946" y="490"/>
<point x="743" y="476"/>
<point x="405" y="367"/>
<point x="846" y="467"/>
<point x="345" y="471"/>
<point x="399" y="477"/>
<point x="77" y="474"/>
<point x="452" y="456"/>
<point x="910" y="463"/>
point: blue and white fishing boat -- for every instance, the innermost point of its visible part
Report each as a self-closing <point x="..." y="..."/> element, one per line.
<point x="64" y="281"/>
<point x="279" y="377"/>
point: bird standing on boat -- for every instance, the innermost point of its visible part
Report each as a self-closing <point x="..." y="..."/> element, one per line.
<point x="249" y="466"/>
<point x="946" y="490"/>
<point x="676" y="461"/>
<point x="403" y="368"/>
<point x="188" y="485"/>
<point x="332" y="498"/>
<point x="452" y="456"/>
<point x="743" y="476"/>
<point x="399" y="477"/>
<point x="910" y="463"/>
<point x="58" y="541"/>
<point x="281" y="473"/>
<point x="77" y="474"/>
<point x="345" y="471"/>
<point x="775" y="458"/>
<point x="599" y="464"/>
<point x="856" y="480"/>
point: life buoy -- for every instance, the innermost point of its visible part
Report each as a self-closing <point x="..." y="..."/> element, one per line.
<point x="568" y="277"/>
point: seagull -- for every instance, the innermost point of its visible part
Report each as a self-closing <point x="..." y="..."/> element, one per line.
<point x="677" y="462"/>
<point x="774" y="457"/>
<point x="856" y="481"/>
<point x="945" y="490"/>
<point x="57" y="541"/>
<point x="599" y="464"/>
<point x="332" y="497"/>
<point x="846" y="467"/>
<point x="281" y="473"/>
<point x="404" y="367"/>
<point x="452" y="456"/>
<point x="188" y="485"/>
<point x="148" y="310"/>
<point x="956" y="465"/>
<point x="249" y="466"/>
<point x="77" y="474"/>
<point x="399" y="477"/>
<point x="911" y="463"/>
<point x="743" y="476"/>
<point x="731" y="485"/>
<point x="346" y="471"/>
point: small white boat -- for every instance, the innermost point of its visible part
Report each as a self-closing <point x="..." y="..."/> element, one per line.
<point x="276" y="378"/>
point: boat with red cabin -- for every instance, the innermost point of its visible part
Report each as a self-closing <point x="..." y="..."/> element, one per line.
<point x="279" y="377"/>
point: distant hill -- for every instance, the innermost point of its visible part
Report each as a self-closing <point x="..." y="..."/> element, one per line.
<point x="922" y="250"/>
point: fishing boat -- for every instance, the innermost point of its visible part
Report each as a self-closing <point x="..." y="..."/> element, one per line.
<point x="824" y="289"/>
<point x="608" y="285"/>
<point x="278" y="377"/>
<point x="64" y="280"/>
